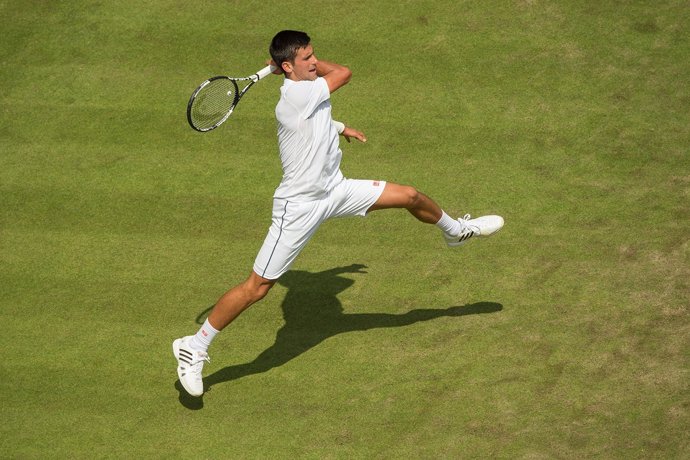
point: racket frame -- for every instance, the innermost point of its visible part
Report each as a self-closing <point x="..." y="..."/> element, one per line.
<point x="238" y="94"/>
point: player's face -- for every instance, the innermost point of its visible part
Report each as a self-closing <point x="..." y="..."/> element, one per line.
<point x="304" y="67"/>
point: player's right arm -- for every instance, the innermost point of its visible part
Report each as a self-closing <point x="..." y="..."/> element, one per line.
<point x="336" y="75"/>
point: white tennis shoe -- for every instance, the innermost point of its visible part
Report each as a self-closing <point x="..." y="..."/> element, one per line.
<point x="190" y="363"/>
<point x="481" y="226"/>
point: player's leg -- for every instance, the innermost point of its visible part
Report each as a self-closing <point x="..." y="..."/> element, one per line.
<point x="455" y="231"/>
<point x="238" y="299"/>
<point x="404" y="196"/>
<point x="192" y="351"/>
<point x="292" y="226"/>
<point x="287" y="236"/>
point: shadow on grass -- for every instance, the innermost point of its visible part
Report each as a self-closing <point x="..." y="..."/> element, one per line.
<point x="313" y="314"/>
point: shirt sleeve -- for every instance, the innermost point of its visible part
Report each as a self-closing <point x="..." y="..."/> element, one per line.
<point x="307" y="95"/>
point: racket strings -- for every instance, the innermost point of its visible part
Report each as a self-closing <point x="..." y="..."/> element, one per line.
<point x="213" y="102"/>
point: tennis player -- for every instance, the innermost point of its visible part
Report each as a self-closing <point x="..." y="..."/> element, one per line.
<point x="312" y="190"/>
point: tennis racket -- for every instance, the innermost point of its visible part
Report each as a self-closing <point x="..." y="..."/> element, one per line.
<point x="215" y="99"/>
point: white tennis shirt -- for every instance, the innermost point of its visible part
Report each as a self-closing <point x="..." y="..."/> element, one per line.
<point x="307" y="140"/>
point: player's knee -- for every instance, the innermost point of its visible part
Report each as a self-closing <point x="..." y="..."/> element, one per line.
<point x="256" y="289"/>
<point x="258" y="292"/>
<point x="412" y="196"/>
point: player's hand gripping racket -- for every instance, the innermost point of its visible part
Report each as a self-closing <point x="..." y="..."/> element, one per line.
<point x="215" y="99"/>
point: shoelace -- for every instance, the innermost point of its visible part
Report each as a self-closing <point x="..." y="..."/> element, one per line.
<point x="467" y="226"/>
<point x="200" y="357"/>
<point x="467" y="231"/>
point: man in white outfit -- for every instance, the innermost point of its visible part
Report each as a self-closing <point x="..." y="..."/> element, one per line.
<point x="312" y="190"/>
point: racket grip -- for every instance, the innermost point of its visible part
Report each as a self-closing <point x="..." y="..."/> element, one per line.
<point x="265" y="72"/>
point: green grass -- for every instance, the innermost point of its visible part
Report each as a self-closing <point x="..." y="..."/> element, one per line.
<point x="565" y="336"/>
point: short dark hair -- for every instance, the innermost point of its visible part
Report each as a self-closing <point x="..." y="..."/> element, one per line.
<point x="285" y="45"/>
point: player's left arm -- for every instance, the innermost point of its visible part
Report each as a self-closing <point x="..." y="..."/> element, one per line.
<point x="337" y="76"/>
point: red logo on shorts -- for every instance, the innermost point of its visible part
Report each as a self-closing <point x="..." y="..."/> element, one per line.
<point x="376" y="183"/>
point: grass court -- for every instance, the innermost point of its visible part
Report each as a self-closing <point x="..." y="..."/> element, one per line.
<point x="564" y="336"/>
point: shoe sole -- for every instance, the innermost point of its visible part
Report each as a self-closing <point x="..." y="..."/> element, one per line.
<point x="176" y="353"/>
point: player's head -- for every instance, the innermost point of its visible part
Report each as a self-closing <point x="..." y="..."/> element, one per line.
<point x="285" y="48"/>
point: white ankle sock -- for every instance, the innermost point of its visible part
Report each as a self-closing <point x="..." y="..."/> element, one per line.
<point x="449" y="225"/>
<point x="203" y="337"/>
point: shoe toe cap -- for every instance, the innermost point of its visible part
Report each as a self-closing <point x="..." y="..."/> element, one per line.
<point x="490" y="224"/>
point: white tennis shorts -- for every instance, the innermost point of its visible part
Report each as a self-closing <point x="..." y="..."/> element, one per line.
<point x="294" y="223"/>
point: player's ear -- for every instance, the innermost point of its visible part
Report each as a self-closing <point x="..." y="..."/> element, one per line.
<point x="286" y="66"/>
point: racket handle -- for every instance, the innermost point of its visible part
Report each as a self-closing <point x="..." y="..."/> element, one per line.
<point x="265" y="72"/>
